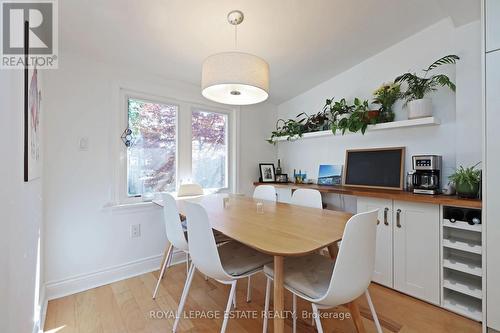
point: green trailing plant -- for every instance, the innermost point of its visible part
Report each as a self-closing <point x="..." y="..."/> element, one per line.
<point x="354" y="121"/>
<point x="419" y="86"/>
<point x="385" y="96"/>
<point x="467" y="180"/>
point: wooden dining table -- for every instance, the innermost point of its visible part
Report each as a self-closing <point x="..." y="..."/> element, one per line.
<point x="278" y="229"/>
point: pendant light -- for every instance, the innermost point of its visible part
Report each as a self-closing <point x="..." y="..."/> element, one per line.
<point x="235" y="78"/>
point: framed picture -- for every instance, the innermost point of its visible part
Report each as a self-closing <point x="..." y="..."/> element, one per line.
<point x="32" y="112"/>
<point x="330" y="174"/>
<point x="267" y="173"/>
<point x="282" y="178"/>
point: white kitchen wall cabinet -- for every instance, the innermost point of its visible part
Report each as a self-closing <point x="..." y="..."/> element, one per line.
<point x="492" y="11"/>
<point x="416" y="250"/>
<point x="492" y="187"/>
<point x="383" y="260"/>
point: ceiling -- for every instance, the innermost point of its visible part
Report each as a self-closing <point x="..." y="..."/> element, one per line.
<point x="304" y="42"/>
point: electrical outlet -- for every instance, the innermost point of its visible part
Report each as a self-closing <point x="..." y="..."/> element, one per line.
<point x="135" y="231"/>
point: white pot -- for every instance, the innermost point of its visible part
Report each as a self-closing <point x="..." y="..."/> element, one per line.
<point x="420" y="108"/>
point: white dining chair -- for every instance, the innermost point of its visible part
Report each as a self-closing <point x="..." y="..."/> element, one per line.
<point x="265" y="192"/>
<point x="227" y="263"/>
<point x="307" y="197"/>
<point x="175" y="235"/>
<point x="190" y="189"/>
<point x="327" y="283"/>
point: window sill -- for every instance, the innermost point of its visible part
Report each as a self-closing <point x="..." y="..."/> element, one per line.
<point x="112" y="206"/>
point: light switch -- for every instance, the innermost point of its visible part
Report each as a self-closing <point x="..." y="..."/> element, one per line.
<point x="83" y="144"/>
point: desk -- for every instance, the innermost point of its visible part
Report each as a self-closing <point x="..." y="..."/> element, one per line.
<point x="282" y="230"/>
<point x="445" y="200"/>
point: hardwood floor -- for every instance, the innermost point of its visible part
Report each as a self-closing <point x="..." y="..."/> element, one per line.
<point x="127" y="306"/>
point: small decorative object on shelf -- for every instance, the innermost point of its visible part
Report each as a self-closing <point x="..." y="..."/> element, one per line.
<point x="278" y="168"/>
<point x="267" y="172"/>
<point x="467" y="181"/>
<point x="419" y="87"/>
<point x="282" y="178"/>
<point x="299" y="177"/>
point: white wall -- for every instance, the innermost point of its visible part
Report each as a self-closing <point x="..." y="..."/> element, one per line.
<point x="87" y="244"/>
<point x="256" y="122"/>
<point x="458" y="137"/>
<point x="21" y="213"/>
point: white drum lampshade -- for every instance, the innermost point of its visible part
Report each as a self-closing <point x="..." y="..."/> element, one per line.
<point x="235" y="78"/>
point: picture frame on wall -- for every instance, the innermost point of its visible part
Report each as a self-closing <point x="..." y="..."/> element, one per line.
<point x="330" y="174"/>
<point x="32" y="115"/>
<point x="267" y="172"/>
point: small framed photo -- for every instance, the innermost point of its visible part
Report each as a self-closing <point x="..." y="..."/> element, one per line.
<point x="267" y="173"/>
<point x="282" y="178"/>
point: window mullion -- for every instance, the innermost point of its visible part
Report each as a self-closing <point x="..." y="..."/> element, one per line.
<point x="184" y="146"/>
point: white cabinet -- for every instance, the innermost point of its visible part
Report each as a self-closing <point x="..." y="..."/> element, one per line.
<point x="492" y="11"/>
<point x="408" y="247"/>
<point x="383" y="259"/>
<point x="416" y="250"/>
<point x="492" y="187"/>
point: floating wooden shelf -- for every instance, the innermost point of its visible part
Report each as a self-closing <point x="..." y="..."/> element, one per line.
<point x="428" y="121"/>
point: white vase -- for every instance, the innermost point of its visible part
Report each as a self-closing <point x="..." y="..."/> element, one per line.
<point x="420" y="108"/>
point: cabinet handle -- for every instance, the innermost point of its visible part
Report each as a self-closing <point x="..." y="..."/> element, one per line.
<point x="398" y="218"/>
<point x="386" y="210"/>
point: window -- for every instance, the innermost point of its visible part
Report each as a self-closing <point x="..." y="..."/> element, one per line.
<point x="209" y="148"/>
<point x="151" y="158"/>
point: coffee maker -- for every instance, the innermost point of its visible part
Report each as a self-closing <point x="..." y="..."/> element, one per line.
<point x="427" y="176"/>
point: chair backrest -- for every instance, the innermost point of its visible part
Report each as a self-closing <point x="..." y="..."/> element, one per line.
<point x="189" y="189"/>
<point x="265" y="192"/>
<point x="307" y="197"/>
<point x="355" y="261"/>
<point x="202" y="247"/>
<point x="173" y="225"/>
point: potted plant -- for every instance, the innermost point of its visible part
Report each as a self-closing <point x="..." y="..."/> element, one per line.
<point x="354" y="121"/>
<point x="467" y="181"/>
<point x="419" y="87"/>
<point x="386" y="95"/>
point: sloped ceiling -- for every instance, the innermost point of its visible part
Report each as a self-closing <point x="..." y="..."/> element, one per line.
<point x="305" y="42"/>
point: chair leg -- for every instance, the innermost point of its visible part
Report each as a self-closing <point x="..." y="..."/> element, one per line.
<point x="317" y="319"/>
<point x="230" y="301"/>
<point x="249" y="289"/>
<point x="374" y="313"/>
<point x="185" y="292"/>
<point x="294" y="313"/>
<point x="234" y="295"/>
<point x="163" y="268"/>
<point x="187" y="262"/>
<point x="266" y="305"/>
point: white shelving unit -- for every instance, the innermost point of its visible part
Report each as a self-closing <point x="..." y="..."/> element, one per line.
<point x="427" y="121"/>
<point x="462" y="272"/>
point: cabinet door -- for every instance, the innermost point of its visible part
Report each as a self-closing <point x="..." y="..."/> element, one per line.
<point x="383" y="255"/>
<point x="283" y="194"/>
<point x="416" y="250"/>
<point x="492" y="187"/>
<point x="492" y="17"/>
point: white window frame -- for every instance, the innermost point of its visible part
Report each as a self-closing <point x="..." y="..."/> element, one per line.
<point x="183" y="141"/>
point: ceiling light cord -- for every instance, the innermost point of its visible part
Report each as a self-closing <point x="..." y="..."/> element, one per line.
<point x="235" y="37"/>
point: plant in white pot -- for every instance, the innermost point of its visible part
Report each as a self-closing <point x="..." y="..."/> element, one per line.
<point x="418" y="87"/>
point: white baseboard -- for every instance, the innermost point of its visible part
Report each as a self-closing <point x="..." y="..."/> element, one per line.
<point x="79" y="283"/>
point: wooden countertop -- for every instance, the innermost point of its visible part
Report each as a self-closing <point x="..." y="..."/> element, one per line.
<point x="385" y="194"/>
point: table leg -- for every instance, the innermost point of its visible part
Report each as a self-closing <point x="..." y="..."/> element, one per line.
<point x="356" y="316"/>
<point x="279" y="296"/>
<point x="333" y="249"/>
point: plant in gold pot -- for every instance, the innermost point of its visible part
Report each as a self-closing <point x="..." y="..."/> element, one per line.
<point x="467" y="181"/>
<point x="385" y="96"/>
<point x="419" y="87"/>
